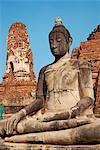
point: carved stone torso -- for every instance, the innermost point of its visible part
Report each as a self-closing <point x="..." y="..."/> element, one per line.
<point x="62" y="84"/>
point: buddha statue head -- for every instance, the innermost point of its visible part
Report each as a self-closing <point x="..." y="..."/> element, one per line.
<point x="59" y="39"/>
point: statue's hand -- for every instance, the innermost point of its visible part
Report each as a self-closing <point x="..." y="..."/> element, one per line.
<point x="59" y="116"/>
<point x="75" y="112"/>
<point x="13" y="121"/>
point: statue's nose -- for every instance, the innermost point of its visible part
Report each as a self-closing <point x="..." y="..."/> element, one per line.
<point x="55" y="44"/>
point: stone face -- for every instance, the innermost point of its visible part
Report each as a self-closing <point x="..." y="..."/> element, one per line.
<point x="19" y="81"/>
<point x="90" y="51"/>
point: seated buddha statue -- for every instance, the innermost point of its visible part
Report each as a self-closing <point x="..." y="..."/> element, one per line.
<point x="64" y="100"/>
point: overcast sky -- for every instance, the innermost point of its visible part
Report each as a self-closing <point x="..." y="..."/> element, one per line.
<point x="79" y="16"/>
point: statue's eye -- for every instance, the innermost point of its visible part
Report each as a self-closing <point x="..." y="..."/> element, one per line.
<point x="51" y="40"/>
<point x="58" y="40"/>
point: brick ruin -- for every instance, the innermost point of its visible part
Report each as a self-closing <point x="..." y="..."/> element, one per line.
<point x="19" y="82"/>
<point x="90" y="51"/>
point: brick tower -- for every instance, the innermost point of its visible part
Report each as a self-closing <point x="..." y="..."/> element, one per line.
<point x="19" y="81"/>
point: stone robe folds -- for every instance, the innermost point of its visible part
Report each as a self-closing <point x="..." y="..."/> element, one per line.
<point x="67" y="82"/>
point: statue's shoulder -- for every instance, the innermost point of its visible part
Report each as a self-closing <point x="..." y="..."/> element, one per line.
<point x="84" y="64"/>
<point x="76" y="63"/>
<point x="43" y="69"/>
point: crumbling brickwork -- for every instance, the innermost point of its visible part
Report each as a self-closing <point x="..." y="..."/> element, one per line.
<point x="97" y="89"/>
<point x="19" y="81"/>
<point x="90" y="51"/>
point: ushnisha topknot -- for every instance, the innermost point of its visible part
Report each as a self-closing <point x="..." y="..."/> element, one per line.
<point x="59" y="27"/>
<point x="58" y="21"/>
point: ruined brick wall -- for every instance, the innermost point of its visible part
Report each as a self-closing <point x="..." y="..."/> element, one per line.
<point x="19" y="81"/>
<point x="97" y="89"/>
<point x="90" y="51"/>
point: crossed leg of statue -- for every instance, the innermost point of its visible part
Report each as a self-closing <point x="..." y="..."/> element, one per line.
<point x="38" y="124"/>
<point x="72" y="131"/>
<point x="31" y="125"/>
<point x="86" y="133"/>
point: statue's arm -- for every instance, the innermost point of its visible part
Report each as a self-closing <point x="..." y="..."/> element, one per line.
<point x="85" y="89"/>
<point x="12" y="122"/>
<point x="38" y="103"/>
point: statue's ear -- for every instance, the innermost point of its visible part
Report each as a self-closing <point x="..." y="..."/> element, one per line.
<point x="70" y="42"/>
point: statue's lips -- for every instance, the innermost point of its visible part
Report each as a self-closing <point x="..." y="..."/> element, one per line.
<point x="55" y="51"/>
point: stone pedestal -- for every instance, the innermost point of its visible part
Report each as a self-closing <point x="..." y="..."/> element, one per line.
<point x="22" y="146"/>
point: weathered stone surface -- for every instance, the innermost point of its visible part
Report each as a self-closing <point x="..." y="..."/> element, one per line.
<point x="19" y="81"/>
<point x="97" y="88"/>
<point x="22" y="146"/>
<point x="90" y="51"/>
<point x="84" y="134"/>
